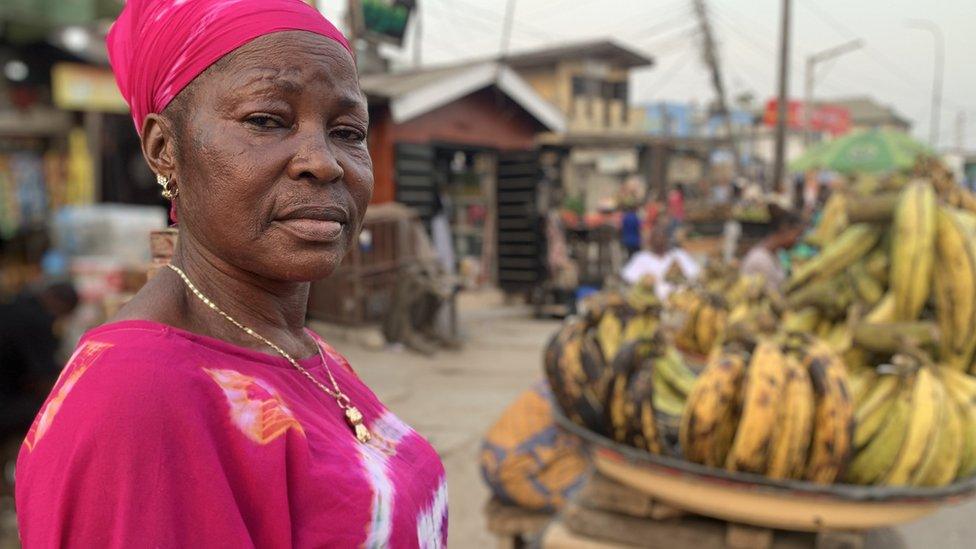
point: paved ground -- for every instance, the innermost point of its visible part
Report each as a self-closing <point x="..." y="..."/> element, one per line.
<point x="454" y="397"/>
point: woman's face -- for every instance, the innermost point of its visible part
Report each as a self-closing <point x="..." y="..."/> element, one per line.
<point x="271" y="160"/>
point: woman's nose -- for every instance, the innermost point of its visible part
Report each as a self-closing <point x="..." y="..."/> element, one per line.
<point x="315" y="159"/>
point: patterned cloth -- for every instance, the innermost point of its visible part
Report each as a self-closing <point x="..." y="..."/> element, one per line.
<point x="157" y="437"/>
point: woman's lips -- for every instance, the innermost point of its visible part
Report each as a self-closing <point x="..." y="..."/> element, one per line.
<point x="315" y="230"/>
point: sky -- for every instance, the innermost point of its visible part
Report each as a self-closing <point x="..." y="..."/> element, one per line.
<point x="895" y="67"/>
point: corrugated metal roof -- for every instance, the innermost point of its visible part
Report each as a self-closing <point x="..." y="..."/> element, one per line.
<point x="395" y="84"/>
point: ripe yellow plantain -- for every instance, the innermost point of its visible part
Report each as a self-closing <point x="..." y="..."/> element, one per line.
<point x="762" y="394"/>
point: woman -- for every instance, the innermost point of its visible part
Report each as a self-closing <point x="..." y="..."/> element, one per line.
<point x="786" y="229"/>
<point x="206" y="415"/>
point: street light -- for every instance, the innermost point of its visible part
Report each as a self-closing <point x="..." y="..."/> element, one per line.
<point x="812" y="60"/>
<point x="939" y="40"/>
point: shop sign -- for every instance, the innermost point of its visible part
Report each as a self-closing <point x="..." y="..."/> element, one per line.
<point x="831" y="119"/>
<point x="79" y="87"/>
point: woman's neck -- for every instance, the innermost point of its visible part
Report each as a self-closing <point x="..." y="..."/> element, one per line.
<point x="274" y="309"/>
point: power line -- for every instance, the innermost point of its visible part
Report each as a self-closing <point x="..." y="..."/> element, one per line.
<point x="661" y="82"/>
<point x="879" y="57"/>
<point x="492" y="15"/>
<point x="665" y="26"/>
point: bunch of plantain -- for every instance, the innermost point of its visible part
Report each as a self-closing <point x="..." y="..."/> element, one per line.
<point x="579" y="358"/>
<point x="705" y="319"/>
<point x="647" y="393"/>
<point x="747" y="308"/>
<point x="916" y="426"/>
<point x="780" y="409"/>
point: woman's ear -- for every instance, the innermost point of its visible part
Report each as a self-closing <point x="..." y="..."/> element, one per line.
<point x="159" y="145"/>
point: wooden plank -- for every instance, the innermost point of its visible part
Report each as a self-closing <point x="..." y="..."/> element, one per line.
<point x="509" y="520"/>
<point x="740" y="536"/>
<point x="840" y="540"/>
<point x="557" y="536"/>
<point x="605" y="494"/>
<point x="696" y="532"/>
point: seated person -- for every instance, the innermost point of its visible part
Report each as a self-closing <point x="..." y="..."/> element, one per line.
<point x="787" y="227"/>
<point x="662" y="263"/>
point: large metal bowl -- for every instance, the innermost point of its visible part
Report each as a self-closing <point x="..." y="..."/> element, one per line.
<point x="761" y="501"/>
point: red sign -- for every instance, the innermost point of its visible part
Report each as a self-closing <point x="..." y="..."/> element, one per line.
<point x="823" y="118"/>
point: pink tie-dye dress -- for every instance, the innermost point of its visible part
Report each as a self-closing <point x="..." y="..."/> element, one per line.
<point x="157" y="437"/>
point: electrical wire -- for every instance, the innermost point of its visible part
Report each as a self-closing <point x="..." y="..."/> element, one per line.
<point x="879" y="57"/>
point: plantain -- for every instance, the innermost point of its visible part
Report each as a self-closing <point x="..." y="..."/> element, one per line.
<point x="833" y="429"/>
<point x="709" y="325"/>
<point x="945" y="453"/>
<point x="788" y="453"/>
<point x="846" y="249"/>
<point x="921" y="429"/>
<point x="892" y="337"/>
<point x="763" y="392"/>
<point x="962" y="391"/>
<point x="955" y="289"/>
<point x="641" y="429"/>
<point x="913" y="249"/>
<point x="712" y="410"/>
<point x="868" y="290"/>
<point x="610" y="334"/>
<point x="640" y="326"/>
<point x="877" y="264"/>
<point x="883" y="311"/>
<point x="871" y="463"/>
<point x="874" y="408"/>
<point x="832" y="222"/>
<point x="619" y="409"/>
<point x="675" y="373"/>
<point x="804" y="320"/>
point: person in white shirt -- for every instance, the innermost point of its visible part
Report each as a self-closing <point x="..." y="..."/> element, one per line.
<point x="659" y="262"/>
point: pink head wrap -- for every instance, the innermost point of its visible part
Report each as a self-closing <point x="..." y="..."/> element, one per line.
<point x="157" y="47"/>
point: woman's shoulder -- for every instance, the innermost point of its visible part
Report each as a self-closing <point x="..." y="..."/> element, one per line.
<point x="135" y="357"/>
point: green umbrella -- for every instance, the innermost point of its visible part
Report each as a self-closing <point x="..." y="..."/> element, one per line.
<point x="866" y="151"/>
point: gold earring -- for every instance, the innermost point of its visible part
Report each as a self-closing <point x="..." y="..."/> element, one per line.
<point x="168" y="193"/>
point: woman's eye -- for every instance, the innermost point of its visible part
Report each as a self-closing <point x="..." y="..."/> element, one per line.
<point x="349" y="135"/>
<point x="264" y="121"/>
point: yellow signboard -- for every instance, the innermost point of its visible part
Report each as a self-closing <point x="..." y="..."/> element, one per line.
<point x="78" y="87"/>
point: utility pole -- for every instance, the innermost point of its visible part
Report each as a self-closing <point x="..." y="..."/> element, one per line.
<point x="783" y="98"/>
<point x="811" y="73"/>
<point x="939" y="40"/>
<point x="710" y="55"/>
<point x="507" y="27"/>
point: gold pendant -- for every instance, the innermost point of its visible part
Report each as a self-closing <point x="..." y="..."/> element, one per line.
<point x="355" y="419"/>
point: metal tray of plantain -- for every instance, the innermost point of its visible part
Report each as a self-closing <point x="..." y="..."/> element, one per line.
<point x="757" y="500"/>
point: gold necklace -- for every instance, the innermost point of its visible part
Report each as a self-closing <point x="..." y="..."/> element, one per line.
<point x="353" y="416"/>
